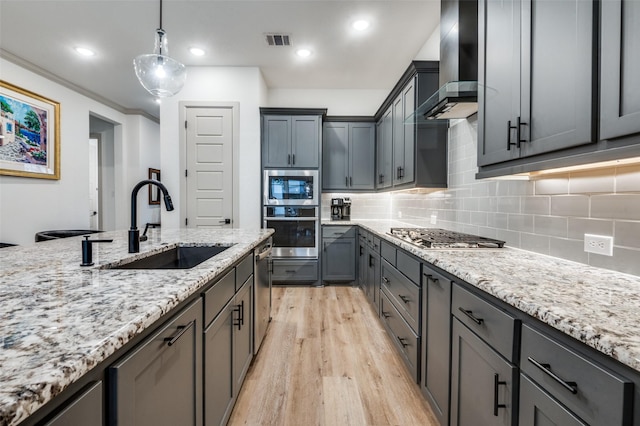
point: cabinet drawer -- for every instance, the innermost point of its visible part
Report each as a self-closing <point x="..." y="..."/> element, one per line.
<point x="403" y="337"/>
<point x="594" y="394"/>
<point x="244" y="270"/>
<point x="375" y="244"/>
<point x="409" y="266"/>
<point x="295" y="270"/>
<point x="338" y="231"/>
<point x="219" y="295"/>
<point x="388" y="251"/>
<point x="402" y="293"/>
<point x="493" y="325"/>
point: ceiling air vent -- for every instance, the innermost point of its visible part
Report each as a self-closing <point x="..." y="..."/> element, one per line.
<point x="274" y="39"/>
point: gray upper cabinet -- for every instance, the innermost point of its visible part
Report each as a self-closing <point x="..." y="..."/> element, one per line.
<point x="411" y="153"/>
<point x="536" y="73"/>
<point x="384" y="150"/>
<point x="348" y="156"/>
<point x="620" y="68"/>
<point x="291" y="140"/>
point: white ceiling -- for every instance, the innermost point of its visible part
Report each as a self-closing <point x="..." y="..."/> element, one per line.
<point x="44" y="33"/>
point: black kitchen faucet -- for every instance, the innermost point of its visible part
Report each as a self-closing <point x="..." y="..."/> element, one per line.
<point x="134" y="233"/>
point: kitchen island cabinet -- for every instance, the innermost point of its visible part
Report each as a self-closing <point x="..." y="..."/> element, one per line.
<point x="74" y="322"/>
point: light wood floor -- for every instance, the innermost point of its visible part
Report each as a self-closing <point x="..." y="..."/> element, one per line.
<point x="326" y="360"/>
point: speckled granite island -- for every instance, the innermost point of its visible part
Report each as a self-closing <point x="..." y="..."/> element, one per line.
<point x="598" y="307"/>
<point x="59" y="320"/>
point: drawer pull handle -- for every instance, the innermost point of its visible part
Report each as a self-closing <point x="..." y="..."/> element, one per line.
<point x="239" y="320"/>
<point x="470" y="315"/>
<point x="497" y="382"/>
<point x="371" y="261"/>
<point x="385" y="314"/>
<point x="401" y="340"/>
<point x="386" y="280"/>
<point x="290" y="271"/>
<point x="405" y="299"/>
<point x="546" y="368"/>
<point x="181" y="330"/>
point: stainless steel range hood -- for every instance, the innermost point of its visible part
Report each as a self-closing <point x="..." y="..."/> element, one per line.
<point x="458" y="94"/>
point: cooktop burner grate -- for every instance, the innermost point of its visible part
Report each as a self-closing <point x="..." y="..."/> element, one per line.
<point x="442" y="238"/>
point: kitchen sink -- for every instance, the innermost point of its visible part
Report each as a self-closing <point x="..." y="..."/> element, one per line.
<point x="180" y="257"/>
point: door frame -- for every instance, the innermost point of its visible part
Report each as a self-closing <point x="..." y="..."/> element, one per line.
<point x="183" y="106"/>
<point x="98" y="138"/>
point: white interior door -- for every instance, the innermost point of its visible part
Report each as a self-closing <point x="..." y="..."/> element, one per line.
<point x="209" y="161"/>
<point x="94" y="185"/>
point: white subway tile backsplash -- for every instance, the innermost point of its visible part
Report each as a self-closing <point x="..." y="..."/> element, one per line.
<point x="553" y="226"/>
<point x="568" y="249"/>
<point x="591" y="182"/>
<point x="520" y="222"/>
<point x="570" y="205"/>
<point x="616" y="206"/>
<point x="580" y="226"/>
<point x="627" y="234"/>
<point x="628" y="179"/>
<point x="534" y="242"/>
<point x="552" y="186"/>
<point x="536" y="205"/>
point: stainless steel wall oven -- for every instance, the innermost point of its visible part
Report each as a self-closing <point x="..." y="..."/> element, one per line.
<point x="297" y="230"/>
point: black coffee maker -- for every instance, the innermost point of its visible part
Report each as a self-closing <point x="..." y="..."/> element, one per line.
<point x="340" y="209"/>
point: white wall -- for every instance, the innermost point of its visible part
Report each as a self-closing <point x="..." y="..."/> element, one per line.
<point x="430" y="51"/>
<point x="337" y="101"/>
<point x="30" y="205"/>
<point x="244" y="85"/>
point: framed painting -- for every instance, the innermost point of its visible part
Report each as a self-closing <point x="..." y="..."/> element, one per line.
<point x="29" y="134"/>
<point x="154" y="191"/>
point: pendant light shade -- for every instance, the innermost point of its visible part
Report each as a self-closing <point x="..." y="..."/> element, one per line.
<point x="161" y="75"/>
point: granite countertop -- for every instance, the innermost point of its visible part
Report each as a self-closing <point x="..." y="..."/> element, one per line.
<point x="598" y="307"/>
<point x="59" y="320"/>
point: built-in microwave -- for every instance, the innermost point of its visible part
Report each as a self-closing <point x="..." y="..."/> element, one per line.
<point x="291" y="188"/>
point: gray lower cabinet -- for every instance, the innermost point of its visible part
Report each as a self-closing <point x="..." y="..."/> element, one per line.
<point x="348" y="156"/>
<point x="369" y="267"/>
<point x="537" y="75"/>
<point x="338" y="253"/>
<point x="401" y="333"/>
<point x="436" y="341"/>
<point x="243" y="334"/>
<point x="84" y="409"/>
<point x="587" y="390"/>
<point x="538" y="408"/>
<point x="483" y="384"/>
<point x="294" y="271"/>
<point x="620" y="66"/>
<point x="160" y="382"/>
<point x="218" y="377"/>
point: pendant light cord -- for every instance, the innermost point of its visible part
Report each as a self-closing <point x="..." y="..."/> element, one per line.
<point x="160" y="14"/>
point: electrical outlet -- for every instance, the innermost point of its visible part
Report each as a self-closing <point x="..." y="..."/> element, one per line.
<point x="598" y="244"/>
<point x="434" y="219"/>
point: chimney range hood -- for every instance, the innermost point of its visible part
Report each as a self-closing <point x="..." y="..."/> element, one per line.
<point x="458" y="94"/>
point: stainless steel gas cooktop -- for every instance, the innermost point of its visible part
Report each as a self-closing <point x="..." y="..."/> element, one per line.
<point x="441" y="238"/>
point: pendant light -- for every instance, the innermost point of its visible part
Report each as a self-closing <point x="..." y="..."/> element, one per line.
<point x="161" y="75"/>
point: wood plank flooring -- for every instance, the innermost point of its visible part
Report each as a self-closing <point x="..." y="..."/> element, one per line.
<point x="326" y="360"/>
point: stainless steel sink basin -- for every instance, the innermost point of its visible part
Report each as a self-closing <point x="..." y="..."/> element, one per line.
<point x="180" y="257"/>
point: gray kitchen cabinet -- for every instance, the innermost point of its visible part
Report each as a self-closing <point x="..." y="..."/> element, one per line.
<point x="84" y="409"/>
<point x="160" y="382"/>
<point x="620" y="67"/>
<point x="411" y="152"/>
<point x="290" y="140"/>
<point x="294" y="271"/>
<point x="436" y="341"/>
<point x="384" y="150"/>
<point x="536" y="72"/>
<point x="402" y="335"/>
<point x="369" y="267"/>
<point x="483" y="384"/>
<point x="338" y="253"/>
<point x="243" y="334"/>
<point x="348" y="156"/>
<point x="538" y="408"/>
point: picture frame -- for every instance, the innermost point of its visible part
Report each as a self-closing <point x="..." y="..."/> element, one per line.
<point x="154" y="191"/>
<point x="29" y="134"/>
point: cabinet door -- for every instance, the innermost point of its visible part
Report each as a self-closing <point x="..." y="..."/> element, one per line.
<point x="482" y="382"/>
<point x="499" y="78"/>
<point x="305" y="141"/>
<point x="276" y="146"/>
<point x="218" y="380"/>
<point x="384" y="150"/>
<point x="362" y="157"/>
<point x="398" y="140"/>
<point x="557" y="75"/>
<point x="537" y="408"/>
<point x="408" y="108"/>
<point x="373" y="277"/>
<point x="362" y="265"/>
<point x="620" y="68"/>
<point x="242" y="334"/>
<point x="338" y="259"/>
<point x="335" y="156"/>
<point x="160" y="382"/>
<point x="85" y="409"/>
<point x="436" y="344"/>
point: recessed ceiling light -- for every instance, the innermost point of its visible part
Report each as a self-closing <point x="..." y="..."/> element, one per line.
<point x="196" y="51"/>
<point x="360" y="25"/>
<point x="84" y="51"/>
<point x="303" y="53"/>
